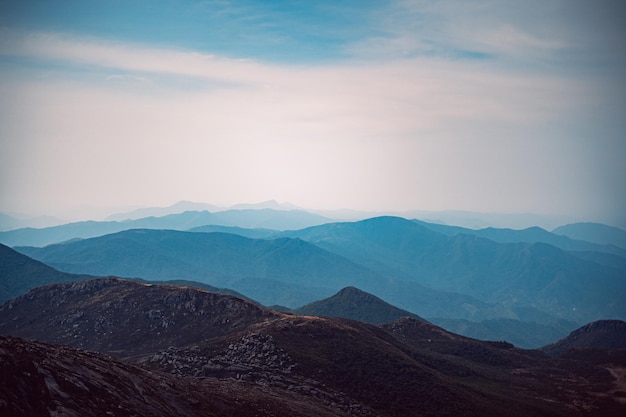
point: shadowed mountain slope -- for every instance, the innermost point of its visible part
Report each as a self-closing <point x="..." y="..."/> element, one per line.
<point x="352" y="303"/>
<point x="40" y="380"/>
<point x="280" y="271"/>
<point x="534" y="275"/>
<point x="19" y="273"/>
<point x="601" y="334"/>
<point x="283" y="271"/>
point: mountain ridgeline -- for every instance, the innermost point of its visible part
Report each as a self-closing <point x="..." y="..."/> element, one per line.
<point x="245" y="218"/>
<point x="181" y="350"/>
<point x="407" y="263"/>
<point x="601" y="334"/>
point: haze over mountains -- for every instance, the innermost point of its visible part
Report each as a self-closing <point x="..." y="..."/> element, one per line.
<point x="246" y="218"/>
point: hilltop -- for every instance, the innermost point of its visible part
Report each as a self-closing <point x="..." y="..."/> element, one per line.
<point x="601" y="334"/>
<point x="352" y="303"/>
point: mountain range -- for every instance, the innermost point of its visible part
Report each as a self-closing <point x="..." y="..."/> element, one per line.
<point x="19" y="274"/>
<point x="245" y="218"/>
<point x="527" y="286"/>
<point x="283" y="271"/>
<point x="410" y="265"/>
<point x="536" y="275"/>
<point x="193" y="343"/>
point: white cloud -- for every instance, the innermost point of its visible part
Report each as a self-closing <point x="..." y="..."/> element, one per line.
<point x="413" y="133"/>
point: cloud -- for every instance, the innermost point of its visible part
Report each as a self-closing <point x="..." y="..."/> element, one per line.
<point x="152" y="125"/>
<point x="414" y="92"/>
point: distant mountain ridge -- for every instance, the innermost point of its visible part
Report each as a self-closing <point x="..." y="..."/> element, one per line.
<point x="406" y="263"/>
<point x="19" y="274"/>
<point x="282" y="271"/>
<point x="183" y="206"/>
<point x="594" y="232"/>
<point x="525" y="334"/>
<point x="177" y="208"/>
<point x="535" y="275"/>
<point x="530" y="235"/>
<point x="245" y="218"/>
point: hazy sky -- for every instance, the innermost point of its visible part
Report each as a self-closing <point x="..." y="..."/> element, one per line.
<point x="497" y="106"/>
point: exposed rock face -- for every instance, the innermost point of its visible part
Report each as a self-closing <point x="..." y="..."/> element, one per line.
<point x="253" y="358"/>
<point x="126" y="318"/>
<point x="252" y="354"/>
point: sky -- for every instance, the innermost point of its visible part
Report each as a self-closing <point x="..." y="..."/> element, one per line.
<point x="488" y="106"/>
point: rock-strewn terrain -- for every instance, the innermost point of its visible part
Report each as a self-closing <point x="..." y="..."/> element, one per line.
<point x="254" y="361"/>
<point x="38" y="380"/>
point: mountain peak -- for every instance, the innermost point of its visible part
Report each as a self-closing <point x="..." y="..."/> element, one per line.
<point x="353" y="303"/>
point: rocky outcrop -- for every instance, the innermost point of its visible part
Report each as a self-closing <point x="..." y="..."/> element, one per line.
<point x="126" y="318"/>
<point x="253" y="358"/>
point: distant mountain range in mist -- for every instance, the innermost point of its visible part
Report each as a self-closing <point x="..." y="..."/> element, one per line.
<point x="245" y="218"/>
<point x="467" y="219"/>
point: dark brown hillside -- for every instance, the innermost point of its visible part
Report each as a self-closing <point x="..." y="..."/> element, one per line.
<point x="124" y="317"/>
<point x="407" y="368"/>
<point x="601" y="334"/>
<point x="469" y="378"/>
<point x="40" y="380"/>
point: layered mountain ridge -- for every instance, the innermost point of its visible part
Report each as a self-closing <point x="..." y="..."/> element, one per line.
<point x="418" y="269"/>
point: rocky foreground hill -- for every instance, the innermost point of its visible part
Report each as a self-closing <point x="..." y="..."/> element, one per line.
<point x="201" y="354"/>
<point x="53" y="380"/>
